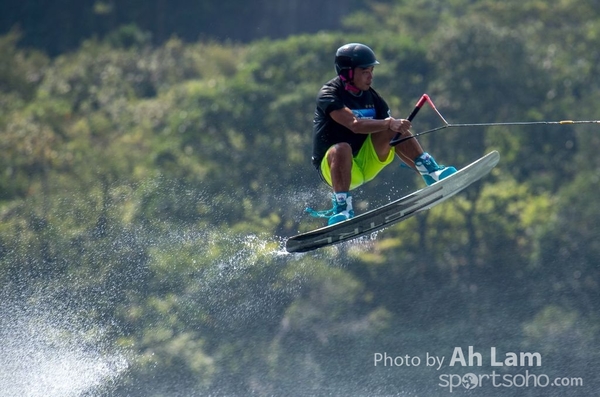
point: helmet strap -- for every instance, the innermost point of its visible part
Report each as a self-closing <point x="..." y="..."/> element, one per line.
<point x="351" y="88"/>
<point x="346" y="77"/>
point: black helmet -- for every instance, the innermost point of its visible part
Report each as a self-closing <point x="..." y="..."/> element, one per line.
<point x="353" y="55"/>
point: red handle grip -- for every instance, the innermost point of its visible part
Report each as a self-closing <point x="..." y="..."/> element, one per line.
<point x="424" y="98"/>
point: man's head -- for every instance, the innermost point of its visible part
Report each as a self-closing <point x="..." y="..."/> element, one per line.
<point x="354" y="64"/>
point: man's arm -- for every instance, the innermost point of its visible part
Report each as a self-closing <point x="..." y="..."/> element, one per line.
<point x="346" y="118"/>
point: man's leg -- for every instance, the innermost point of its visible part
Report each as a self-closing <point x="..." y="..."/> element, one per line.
<point x="412" y="154"/>
<point x="339" y="157"/>
<point x="408" y="150"/>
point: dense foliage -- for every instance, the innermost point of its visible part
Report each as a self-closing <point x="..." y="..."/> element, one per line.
<point x="147" y="188"/>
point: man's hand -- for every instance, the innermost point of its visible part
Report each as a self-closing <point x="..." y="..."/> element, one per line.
<point x="399" y="125"/>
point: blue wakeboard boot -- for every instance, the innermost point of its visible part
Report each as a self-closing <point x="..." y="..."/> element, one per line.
<point x="430" y="170"/>
<point x="342" y="208"/>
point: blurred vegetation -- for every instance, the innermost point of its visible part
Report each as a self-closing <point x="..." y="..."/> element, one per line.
<point x="150" y="185"/>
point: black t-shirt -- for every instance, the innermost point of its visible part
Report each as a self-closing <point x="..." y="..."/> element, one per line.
<point x="327" y="132"/>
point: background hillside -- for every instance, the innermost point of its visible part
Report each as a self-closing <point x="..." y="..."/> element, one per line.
<point x="155" y="156"/>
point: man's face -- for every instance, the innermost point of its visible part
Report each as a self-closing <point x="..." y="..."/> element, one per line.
<point x="363" y="77"/>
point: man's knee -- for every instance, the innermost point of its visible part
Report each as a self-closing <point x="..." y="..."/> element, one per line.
<point x="339" y="151"/>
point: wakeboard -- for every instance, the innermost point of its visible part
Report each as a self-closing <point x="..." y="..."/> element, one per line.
<point x="396" y="211"/>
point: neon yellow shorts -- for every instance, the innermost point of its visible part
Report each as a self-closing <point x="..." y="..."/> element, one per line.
<point x="365" y="165"/>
